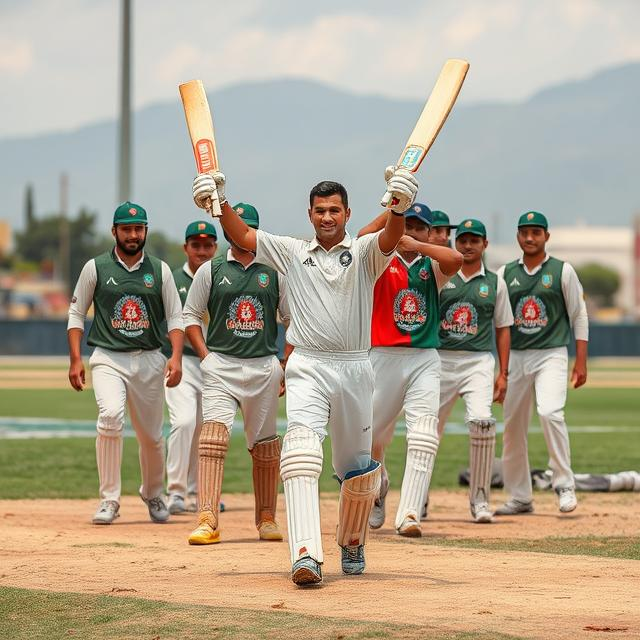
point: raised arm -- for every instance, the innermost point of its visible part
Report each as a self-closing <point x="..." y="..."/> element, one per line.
<point x="448" y="259"/>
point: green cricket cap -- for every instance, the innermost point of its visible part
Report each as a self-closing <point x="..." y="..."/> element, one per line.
<point x="471" y="226"/>
<point x="248" y="213"/>
<point x="533" y="219"/>
<point x="129" y="213"/>
<point x="201" y="229"/>
<point x="441" y="219"/>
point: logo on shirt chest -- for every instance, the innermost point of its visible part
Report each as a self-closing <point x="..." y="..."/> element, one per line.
<point x="530" y="315"/>
<point x="483" y="291"/>
<point x="423" y="274"/>
<point x="547" y="280"/>
<point x="409" y="310"/>
<point x="148" y="280"/>
<point x="130" y="317"/>
<point x="460" y="321"/>
<point x="245" y="317"/>
<point x="263" y="280"/>
<point x="309" y="262"/>
<point x="345" y="258"/>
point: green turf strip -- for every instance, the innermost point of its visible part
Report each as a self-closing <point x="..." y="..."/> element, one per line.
<point x="27" y="614"/>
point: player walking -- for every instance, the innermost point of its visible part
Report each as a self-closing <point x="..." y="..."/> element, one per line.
<point x="185" y="400"/>
<point x="547" y="301"/>
<point x="470" y="303"/>
<point x="329" y="376"/>
<point x="132" y="294"/>
<point x="239" y="369"/>
<point x="406" y="367"/>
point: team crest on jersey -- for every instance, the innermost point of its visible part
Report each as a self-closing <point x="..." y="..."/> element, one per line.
<point x="483" y="291"/>
<point x="345" y="258"/>
<point x="263" y="280"/>
<point x="530" y="315"/>
<point x="547" y="280"/>
<point x="409" y="310"/>
<point x="245" y="317"/>
<point x="423" y="274"/>
<point x="130" y="317"/>
<point x="460" y="321"/>
<point x="148" y="280"/>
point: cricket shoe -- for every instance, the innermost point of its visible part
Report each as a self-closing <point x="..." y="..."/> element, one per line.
<point x="377" y="514"/>
<point x="177" y="505"/>
<point x="353" y="559"/>
<point x="205" y="532"/>
<point x="425" y="508"/>
<point x="410" y="528"/>
<point x="513" y="507"/>
<point x="481" y="513"/>
<point x="158" y="511"/>
<point x="107" y="512"/>
<point x="269" y="530"/>
<point x="306" y="571"/>
<point x="567" y="500"/>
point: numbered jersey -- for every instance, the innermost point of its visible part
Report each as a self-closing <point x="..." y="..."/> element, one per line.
<point x="405" y="306"/>
<point x="242" y="306"/>
<point x="128" y="307"/>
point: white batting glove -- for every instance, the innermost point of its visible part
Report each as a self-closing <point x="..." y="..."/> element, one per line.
<point x="220" y="180"/>
<point x="402" y="189"/>
<point x="204" y="190"/>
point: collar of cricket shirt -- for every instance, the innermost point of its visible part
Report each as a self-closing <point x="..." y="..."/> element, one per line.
<point x="535" y="269"/>
<point x="134" y="267"/>
<point x="479" y="272"/>
<point x="185" y="268"/>
<point x="230" y="258"/>
<point x="345" y="242"/>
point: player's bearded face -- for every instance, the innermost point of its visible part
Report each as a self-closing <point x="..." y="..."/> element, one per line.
<point x="130" y="238"/>
<point x="471" y="247"/>
<point x="532" y="240"/>
<point x="329" y="216"/>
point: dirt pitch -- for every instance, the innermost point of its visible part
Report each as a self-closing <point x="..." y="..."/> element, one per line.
<point x="50" y="544"/>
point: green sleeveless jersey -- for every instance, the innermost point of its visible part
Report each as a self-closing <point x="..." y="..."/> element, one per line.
<point x="183" y="282"/>
<point x="128" y="307"/>
<point x="242" y="306"/>
<point x="540" y="319"/>
<point x="466" y="313"/>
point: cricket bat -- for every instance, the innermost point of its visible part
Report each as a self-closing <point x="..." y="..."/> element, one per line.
<point x="432" y="118"/>
<point x="200" y="125"/>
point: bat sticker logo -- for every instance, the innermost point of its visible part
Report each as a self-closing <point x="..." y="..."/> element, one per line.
<point x="411" y="158"/>
<point x="205" y="156"/>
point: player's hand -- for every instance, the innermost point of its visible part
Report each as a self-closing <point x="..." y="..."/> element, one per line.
<point x="76" y="375"/>
<point x="500" y="388"/>
<point x="578" y="375"/>
<point x="173" y="372"/>
<point x="204" y="190"/>
<point x="408" y="244"/>
<point x="283" y="364"/>
<point x="403" y="188"/>
<point x="221" y="180"/>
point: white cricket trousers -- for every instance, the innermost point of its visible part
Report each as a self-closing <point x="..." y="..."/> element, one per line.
<point x="136" y="379"/>
<point x="468" y="374"/>
<point x="250" y="384"/>
<point x="543" y="371"/>
<point x="185" y="414"/>
<point x="334" y="391"/>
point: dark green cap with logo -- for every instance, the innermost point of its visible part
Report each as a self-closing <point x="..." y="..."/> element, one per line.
<point x="248" y="213"/>
<point x="441" y="219"/>
<point x="471" y="226"/>
<point x="201" y="229"/>
<point x="129" y="213"/>
<point x="533" y="219"/>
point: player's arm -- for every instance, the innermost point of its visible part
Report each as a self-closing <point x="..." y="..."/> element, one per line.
<point x="80" y="303"/>
<point x="175" y="326"/>
<point x="448" y="259"/>
<point x="503" y="320"/>
<point x="577" y="312"/>
<point x="195" y="308"/>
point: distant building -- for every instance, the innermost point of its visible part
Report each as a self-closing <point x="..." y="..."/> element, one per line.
<point x="613" y="247"/>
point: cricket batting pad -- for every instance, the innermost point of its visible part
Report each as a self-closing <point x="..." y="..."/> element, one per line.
<point x="266" y="475"/>
<point x="357" y="494"/>
<point x="422" y="446"/>
<point x="482" y="447"/>
<point x="212" y="450"/>
<point x="300" y="468"/>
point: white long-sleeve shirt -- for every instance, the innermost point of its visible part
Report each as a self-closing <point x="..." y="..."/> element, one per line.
<point x="571" y="292"/>
<point x="86" y="285"/>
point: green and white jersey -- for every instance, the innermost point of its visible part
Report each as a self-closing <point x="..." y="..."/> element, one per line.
<point x="469" y="308"/>
<point x="183" y="277"/>
<point x="130" y="303"/>
<point x="546" y="302"/>
<point x="242" y="304"/>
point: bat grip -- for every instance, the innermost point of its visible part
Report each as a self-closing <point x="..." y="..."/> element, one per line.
<point x="213" y="207"/>
<point x="388" y="199"/>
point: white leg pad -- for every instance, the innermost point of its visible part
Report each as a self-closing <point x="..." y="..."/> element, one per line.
<point x="482" y="447"/>
<point x="300" y="468"/>
<point x="422" y="446"/>
<point x="356" y="499"/>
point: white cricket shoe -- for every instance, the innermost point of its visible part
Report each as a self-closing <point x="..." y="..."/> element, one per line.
<point x="107" y="512"/>
<point x="513" y="507"/>
<point x="377" y="514"/>
<point x="567" y="500"/>
<point x="158" y="511"/>
<point x="410" y="527"/>
<point x="481" y="512"/>
<point x="176" y="504"/>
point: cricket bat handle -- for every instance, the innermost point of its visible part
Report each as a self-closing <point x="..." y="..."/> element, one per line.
<point x="388" y="199"/>
<point x="213" y="206"/>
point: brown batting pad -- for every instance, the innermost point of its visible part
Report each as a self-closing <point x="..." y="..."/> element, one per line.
<point x="212" y="450"/>
<point x="266" y="475"/>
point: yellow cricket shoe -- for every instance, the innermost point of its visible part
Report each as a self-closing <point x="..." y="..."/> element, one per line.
<point x="269" y="530"/>
<point x="205" y="532"/>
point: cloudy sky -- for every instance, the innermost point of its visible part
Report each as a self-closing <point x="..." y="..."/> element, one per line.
<point x="59" y="58"/>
